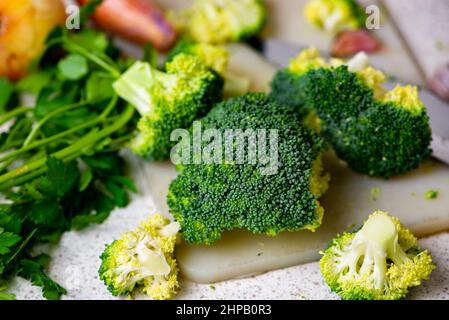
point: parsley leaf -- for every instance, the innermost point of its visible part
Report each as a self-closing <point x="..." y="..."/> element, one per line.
<point x="73" y="67"/>
<point x="7" y="240"/>
<point x="34" y="271"/>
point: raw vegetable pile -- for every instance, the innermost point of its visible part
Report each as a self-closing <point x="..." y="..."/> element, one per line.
<point x="61" y="168"/>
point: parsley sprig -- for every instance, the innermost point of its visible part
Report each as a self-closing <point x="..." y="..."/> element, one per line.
<point x="60" y="167"/>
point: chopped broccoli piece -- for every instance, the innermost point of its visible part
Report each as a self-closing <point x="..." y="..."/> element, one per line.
<point x="432" y="194"/>
<point x="377" y="133"/>
<point x="379" y="262"/>
<point x="222" y="21"/>
<point x="208" y="199"/>
<point x="334" y="16"/>
<point x="375" y="193"/>
<point x="288" y="86"/>
<point x="215" y="57"/>
<point x="143" y="258"/>
<point x="167" y="100"/>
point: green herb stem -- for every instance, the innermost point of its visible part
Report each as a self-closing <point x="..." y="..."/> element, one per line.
<point x="73" y="47"/>
<point x="80" y="146"/>
<point x="47" y="117"/>
<point x="14" y="113"/>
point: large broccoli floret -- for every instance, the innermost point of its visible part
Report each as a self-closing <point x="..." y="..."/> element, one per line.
<point x="168" y="100"/>
<point x="208" y="199"/>
<point x="376" y="132"/>
<point x="215" y="57"/>
<point x="334" y="16"/>
<point x="221" y="21"/>
<point x="379" y="262"/>
<point x="143" y="258"/>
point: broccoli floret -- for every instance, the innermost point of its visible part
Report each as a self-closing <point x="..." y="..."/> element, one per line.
<point x="378" y="137"/>
<point x="288" y="86"/>
<point x="143" y="258"/>
<point x="334" y="16"/>
<point x="167" y="100"/>
<point x="215" y="57"/>
<point x="222" y="21"/>
<point x="379" y="262"/>
<point x="376" y="132"/>
<point x="208" y="199"/>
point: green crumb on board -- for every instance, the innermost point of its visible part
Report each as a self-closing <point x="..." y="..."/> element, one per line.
<point x="432" y="194"/>
<point x="259" y="254"/>
<point x="212" y="287"/>
<point x="375" y="193"/>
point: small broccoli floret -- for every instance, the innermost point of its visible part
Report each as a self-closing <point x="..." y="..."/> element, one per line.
<point x="288" y="86"/>
<point x="222" y="21"/>
<point x="334" y="16"/>
<point x="215" y="57"/>
<point x="381" y="261"/>
<point x="377" y="132"/>
<point x="143" y="259"/>
<point x="208" y="199"/>
<point x="167" y="100"/>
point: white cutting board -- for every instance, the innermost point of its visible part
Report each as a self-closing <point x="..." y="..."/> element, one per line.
<point x="347" y="203"/>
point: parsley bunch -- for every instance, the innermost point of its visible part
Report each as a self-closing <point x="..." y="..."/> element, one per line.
<point x="60" y="167"/>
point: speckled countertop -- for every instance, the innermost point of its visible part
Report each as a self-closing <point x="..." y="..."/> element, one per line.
<point x="75" y="263"/>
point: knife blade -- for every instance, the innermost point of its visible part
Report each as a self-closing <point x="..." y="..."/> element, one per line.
<point x="280" y="53"/>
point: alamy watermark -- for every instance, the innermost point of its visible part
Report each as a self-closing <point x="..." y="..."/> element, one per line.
<point x="72" y="21"/>
<point x="259" y="147"/>
<point x="373" y="17"/>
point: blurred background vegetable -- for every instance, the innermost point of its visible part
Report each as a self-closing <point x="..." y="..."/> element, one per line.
<point x="24" y="25"/>
<point x="140" y="21"/>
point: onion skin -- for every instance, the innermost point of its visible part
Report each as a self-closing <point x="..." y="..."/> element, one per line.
<point x="140" y="21"/>
<point x="348" y="43"/>
<point x="439" y="82"/>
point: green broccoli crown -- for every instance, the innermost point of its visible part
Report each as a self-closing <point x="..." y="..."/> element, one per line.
<point x="143" y="258"/>
<point x="381" y="261"/>
<point x="208" y="199"/>
<point x="167" y="100"/>
<point x="289" y="89"/>
<point x="221" y="21"/>
<point x="382" y="137"/>
<point x="288" y="86"/>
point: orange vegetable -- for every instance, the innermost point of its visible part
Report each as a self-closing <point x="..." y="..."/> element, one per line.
<point x="24" y="26"/>
<point x="140" y="21"/>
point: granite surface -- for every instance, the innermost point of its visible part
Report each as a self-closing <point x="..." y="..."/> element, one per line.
<point x="75" y="263"/>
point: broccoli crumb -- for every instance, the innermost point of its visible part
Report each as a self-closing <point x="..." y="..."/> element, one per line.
<point x="432" y="194"/>
<point x="375" y="193"/>
<point x="259" y="254"/>
<point x="212" y="287"/>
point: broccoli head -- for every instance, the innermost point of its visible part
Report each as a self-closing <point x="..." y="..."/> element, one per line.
<point x="167" y="100"/>
<point x="334" y="16"/>
<point x="210" y="198"/>
<point x="377" y="132"/>
<point x="222" y="21"/>
<point x="215" y="57"/>
<point x="288" y="86"/>
<point x="143" y="258"/>
<point x="379" y="262"/>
